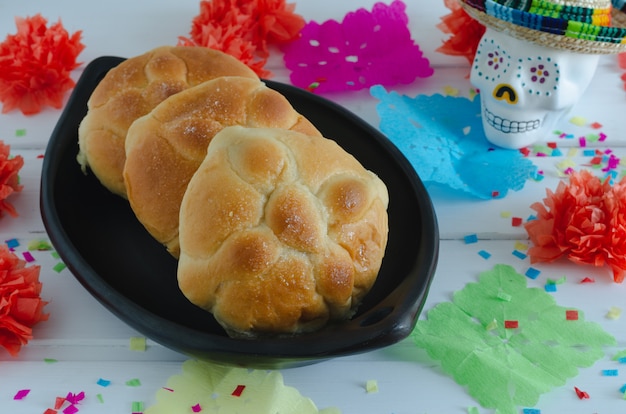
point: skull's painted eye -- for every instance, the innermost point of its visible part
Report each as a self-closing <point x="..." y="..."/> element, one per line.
<point x="491" y="60"/>
<point x="539" y="76"/>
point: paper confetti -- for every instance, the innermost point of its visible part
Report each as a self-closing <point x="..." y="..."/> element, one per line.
<point x="103" y="383"/>
<point x="21" y="394"/>
<point x="137" y="343"/>
<point x="135" y="382"/>
<point x="431" y="131"/>
<point x="210" y="386"/>
<point x="504" y="368"/>
<point x="581" y="394"/>
<point x="471" y="238"/>
<point x="39" y="245"/>
<point x="614" y="313"/>
<point x="371" y="386"/>
<point x="238" y="390"/>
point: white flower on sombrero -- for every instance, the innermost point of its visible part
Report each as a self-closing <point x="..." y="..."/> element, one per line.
<point x="536" y="59"/>
<point x="583" y="26"/>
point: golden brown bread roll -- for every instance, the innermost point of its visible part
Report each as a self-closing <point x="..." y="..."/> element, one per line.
<point x="131" y="90"/>
<point x="280" y="232"/>
<point x="165" y="147"/>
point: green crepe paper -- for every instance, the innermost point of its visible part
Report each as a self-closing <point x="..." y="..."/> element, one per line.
<point x="211" y="386"/>
<point x="506" y="368"/>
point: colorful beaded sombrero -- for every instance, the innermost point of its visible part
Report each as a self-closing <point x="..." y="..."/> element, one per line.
<point x="582" y="26"/>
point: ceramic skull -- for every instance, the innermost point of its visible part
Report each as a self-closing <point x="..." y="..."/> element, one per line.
<point x="526" y="88"/>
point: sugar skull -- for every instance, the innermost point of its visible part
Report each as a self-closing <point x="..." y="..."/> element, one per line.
<point x="525" y="88"/>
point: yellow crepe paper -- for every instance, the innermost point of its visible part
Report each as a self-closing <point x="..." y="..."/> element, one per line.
<point x="209" y="388"/>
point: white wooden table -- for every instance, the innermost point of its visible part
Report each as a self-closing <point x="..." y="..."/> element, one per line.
<point x="87" y="342"/>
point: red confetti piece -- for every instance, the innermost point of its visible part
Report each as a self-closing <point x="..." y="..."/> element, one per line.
<point x="571" y="315"/>
<point x="596" y="125"/>
<point x="59" y="403"/>
<point x="588" y="280"/>
<point x="21" y="394"/>
<point x="511" y="324"/>
<point x="50" y="411"/>
<point x="552" y="145"/>
<point x="238" y="391"/>
<point x="581" y="394"/>
<point x="516" y="221"/>
<point x="35" y="65"/>
<point x="495" y="194"/>
<point x="525" y="151"/>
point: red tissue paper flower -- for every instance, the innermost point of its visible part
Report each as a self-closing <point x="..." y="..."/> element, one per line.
<point x="9" y="178"/>
<point x="584" y="221"/>
<point x="35" y="65"/>
<point x="244" y="29"/>
<point x="20" y="304"/>
<point x="466" y="32"/>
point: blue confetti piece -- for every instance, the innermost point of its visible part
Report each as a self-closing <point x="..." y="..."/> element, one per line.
<point x="556" y="152"/>
<point x="484" y="254"/>
<point x="622" y="360"/>
<point x="589" y="153"/>
<point x="532" y="273"/>
<point x="519" y="255"/>
<point x="623" y="389"/>
<point x="103" y="382"/>
<point x="471" y="238"/>
<point x="609" y="372"/>
<point x="550" y="287"/>
<point x="12" y="243"/>
<point x="531" y="411"/>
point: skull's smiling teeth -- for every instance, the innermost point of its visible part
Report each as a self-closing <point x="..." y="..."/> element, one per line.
<point x="508" y="126"/>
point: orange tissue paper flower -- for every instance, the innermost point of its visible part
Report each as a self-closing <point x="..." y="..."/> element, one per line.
<point x="466" y="32"/>
<point x="35" y="65"/>
<point x="21" y="306"/>
<point x="9" y="178"/>
<point x="584" y="221"/>
<point x="244" y="29"/>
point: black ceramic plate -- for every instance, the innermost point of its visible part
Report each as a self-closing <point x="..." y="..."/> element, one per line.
<point x="118" y="262"/>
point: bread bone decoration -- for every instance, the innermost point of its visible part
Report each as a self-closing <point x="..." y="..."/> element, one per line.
<point x="165" y="147"/>
<point x="131" y="90"/>
<point x="280" y="232"/>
